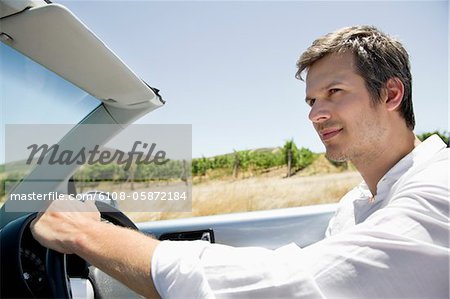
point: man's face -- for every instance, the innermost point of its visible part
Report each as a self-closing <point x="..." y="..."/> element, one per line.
<point x="350" y="126"/>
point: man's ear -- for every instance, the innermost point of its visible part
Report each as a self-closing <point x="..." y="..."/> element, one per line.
<point x="394" y="93"/>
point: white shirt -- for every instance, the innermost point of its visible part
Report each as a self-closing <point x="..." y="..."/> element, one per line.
<point x="395" y="246"/>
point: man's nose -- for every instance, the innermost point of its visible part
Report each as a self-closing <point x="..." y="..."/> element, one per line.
<point x="319" y="112"/>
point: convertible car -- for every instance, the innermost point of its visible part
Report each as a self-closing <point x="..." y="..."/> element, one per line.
<point x="54" y="70"/>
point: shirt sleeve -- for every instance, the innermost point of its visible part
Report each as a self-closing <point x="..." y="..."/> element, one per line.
<point x="198" y="269"/>
<point x="399" y="251"/>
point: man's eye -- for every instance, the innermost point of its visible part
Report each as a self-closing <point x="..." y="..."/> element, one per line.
<point x="333" y="90"/>
<point x="310" y="102"/>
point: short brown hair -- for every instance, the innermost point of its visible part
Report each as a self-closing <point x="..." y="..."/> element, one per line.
<point x="378" y="58"/>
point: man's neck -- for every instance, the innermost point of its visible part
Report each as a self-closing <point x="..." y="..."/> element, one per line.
<point x="374" y="168"/>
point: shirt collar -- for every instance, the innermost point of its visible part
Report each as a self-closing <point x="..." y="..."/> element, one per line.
<point x="419" y="155"/>
<point x="364" y="206"/>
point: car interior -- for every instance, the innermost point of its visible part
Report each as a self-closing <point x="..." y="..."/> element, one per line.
<point x="101" y="89"/>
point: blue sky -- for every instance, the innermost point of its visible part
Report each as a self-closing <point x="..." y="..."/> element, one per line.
<point x="228" y="67"/>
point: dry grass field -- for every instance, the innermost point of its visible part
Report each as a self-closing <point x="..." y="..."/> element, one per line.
<point x="260" y="194"/>
<point x="318" y="184"/>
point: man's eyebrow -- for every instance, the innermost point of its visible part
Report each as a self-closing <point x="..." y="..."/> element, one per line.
<point x="332" y="83"/>
<point x="326" y="87"/>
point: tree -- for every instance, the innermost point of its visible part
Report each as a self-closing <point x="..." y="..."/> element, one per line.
<point x="305" y="157"/>
<point x="236" y="164"/>
<point x="290" y="155"/>
<point x="444" y="136"/>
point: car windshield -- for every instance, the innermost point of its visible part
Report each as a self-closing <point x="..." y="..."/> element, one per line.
<point x="32" y="94"/>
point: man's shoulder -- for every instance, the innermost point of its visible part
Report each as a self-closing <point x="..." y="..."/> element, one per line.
<point x="427" y="180"/>
<point x="436" y="168"/>
<point x="429" y="162"/>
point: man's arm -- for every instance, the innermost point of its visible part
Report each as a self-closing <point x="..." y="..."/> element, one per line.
<point x="75" y="227"/>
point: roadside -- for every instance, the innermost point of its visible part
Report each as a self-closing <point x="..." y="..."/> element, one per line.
<point x="260" y="193"/>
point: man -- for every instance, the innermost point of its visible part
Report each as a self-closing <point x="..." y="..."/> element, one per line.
<point x="388" y="239"/>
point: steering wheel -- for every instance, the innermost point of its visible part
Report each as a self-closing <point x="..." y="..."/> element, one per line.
<point x="56" y="262"/>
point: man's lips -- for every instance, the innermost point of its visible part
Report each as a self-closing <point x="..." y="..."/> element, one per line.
<point x="327" y="134"/>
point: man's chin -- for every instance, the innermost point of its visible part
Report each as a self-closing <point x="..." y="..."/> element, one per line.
<point x="336" y="157"/>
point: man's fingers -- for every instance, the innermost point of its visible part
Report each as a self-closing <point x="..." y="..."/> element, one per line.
<point x="62" y="221"/>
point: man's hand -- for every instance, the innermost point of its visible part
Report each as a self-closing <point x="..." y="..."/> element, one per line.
<point x="60" y="225"/>
<point x="71" y="226"/>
